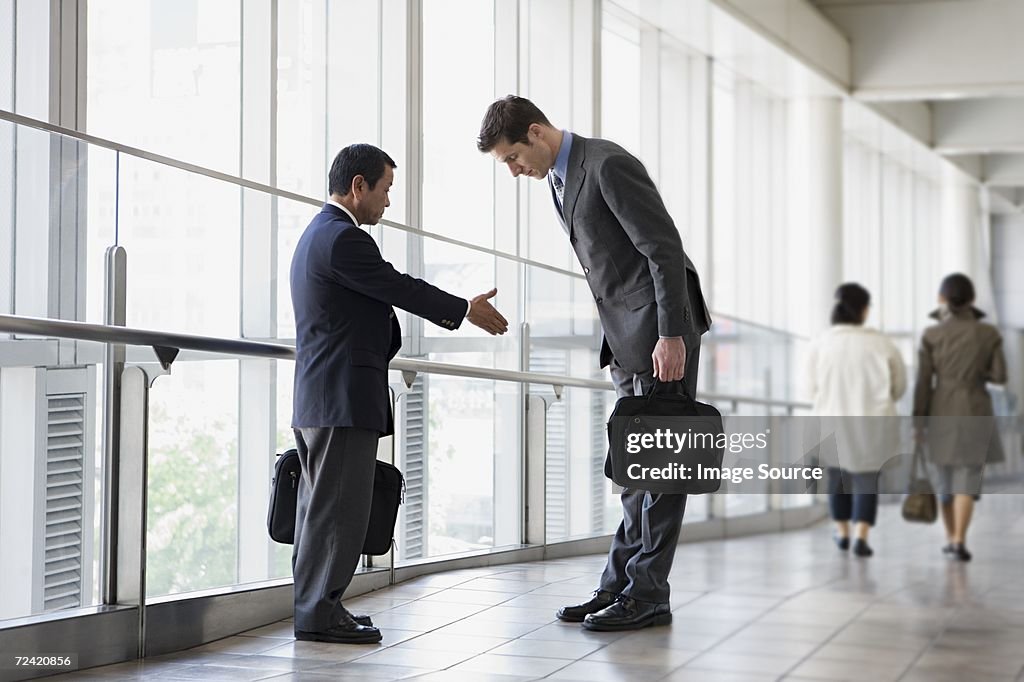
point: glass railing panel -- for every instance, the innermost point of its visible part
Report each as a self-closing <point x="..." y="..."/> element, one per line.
<point x="459" y="449"/>
<point x="579" y="501"/>
<point x="193" y="524"/>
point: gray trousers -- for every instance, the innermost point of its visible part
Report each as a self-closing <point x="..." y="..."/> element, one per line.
<point x="333" y="510"/>
<point x="644" y="545"/>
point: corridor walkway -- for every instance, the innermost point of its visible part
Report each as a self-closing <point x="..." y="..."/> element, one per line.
<point x="785" y="606"/>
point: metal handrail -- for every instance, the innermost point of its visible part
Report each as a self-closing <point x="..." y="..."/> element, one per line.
<point x="238" y="181"/>
<point x="84" y="331"/>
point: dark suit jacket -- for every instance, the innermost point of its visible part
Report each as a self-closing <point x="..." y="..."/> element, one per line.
<point x="345" y="327"/>
<point x="643" y="282"/>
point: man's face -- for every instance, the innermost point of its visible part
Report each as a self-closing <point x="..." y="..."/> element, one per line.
<point x="532" y="160"/>
<point x="372" y="202"/>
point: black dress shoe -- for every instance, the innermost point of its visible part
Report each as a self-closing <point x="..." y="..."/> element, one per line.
<point x="361" y="619"/>
<point x="348" y="631"/>
<point x="862" y="549"/>
<point x="576" y="614"/>
<point x="842" y="543"/>
<point x="629" y="614"/>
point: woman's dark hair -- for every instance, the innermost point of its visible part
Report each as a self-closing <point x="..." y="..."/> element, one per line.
<point x="357" y="159"/>
<point x="508" y="119"/>
<point x="957" y="289"/>
<point x="851" y="301"/>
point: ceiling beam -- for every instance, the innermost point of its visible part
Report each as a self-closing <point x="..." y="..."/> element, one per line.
<point x="979" y="126"/>
<point x="1004" y="170"/>
<point x="933" y="50"/>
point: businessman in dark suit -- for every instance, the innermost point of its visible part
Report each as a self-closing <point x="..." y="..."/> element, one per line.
<point x="345" y="335"/>
<point x="652" y="313"/>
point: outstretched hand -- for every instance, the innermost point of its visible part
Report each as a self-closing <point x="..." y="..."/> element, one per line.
<point x="484" y="315"/>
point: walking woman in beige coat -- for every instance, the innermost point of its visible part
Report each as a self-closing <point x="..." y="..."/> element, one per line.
<point x="854" y="375"/>
<point x="952" y="409"/>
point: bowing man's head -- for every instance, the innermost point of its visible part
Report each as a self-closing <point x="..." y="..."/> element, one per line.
<point x="518" y="134"/>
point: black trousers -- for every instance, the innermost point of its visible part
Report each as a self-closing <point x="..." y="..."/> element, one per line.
<point x="853" y="496"/>
<point x="333" y="511"/>
<point x="644" y="545"/>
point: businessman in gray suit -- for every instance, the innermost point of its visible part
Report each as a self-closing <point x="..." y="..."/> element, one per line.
<point x="652" y="313"/>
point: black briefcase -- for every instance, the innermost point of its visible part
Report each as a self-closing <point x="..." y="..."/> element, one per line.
<point x="688" y="462"/>
<point x="284" y="495"/>
<point x="388" y="494"/>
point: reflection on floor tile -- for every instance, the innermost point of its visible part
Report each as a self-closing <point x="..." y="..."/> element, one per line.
<point x="786" y="606"/>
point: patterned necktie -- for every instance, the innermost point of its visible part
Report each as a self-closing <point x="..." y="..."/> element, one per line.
<point x="559" y="188"/>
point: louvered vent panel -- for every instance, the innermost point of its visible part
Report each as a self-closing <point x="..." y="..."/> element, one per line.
<point x="65" y="455"/>
<point x="414" y="459"/>
<point x="556" y="499"/>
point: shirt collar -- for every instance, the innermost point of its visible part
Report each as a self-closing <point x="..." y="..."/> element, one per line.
<point x="562" y="160"/>
<point x="332" y="202"/>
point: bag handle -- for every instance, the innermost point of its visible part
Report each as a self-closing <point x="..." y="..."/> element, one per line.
<point x="653" y="390"/>
<point x="918" y="456"/>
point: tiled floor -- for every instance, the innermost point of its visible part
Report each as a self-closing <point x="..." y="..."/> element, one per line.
<point x="786" y="606"/>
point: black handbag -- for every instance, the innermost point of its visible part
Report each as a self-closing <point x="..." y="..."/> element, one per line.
<point x="388" y="494"/>
<point x="920" y="504"/>
<point x="691" y="466"/>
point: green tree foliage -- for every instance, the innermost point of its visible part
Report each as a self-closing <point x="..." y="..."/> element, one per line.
<point x="193" y="507"/>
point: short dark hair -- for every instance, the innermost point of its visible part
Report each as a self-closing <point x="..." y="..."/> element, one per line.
<point x="508" y="119"/>
<point x="957" y="289"/>
<point x="357" y="159"/>
<point x="851" y="301"/>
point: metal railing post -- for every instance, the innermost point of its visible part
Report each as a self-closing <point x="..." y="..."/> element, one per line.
<point x="535" y="511"/>
<point x="115" y="273"/>
<point x="132" y="474"/>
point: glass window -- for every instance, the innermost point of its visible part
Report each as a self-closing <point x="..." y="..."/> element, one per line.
<point x="458" y="181"/>
<point x="182" y="237"/>
<point x="620" y="82"/>
<point x="164" y="76"/>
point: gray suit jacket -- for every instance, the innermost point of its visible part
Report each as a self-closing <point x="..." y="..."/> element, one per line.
<point x="643" y="282"/>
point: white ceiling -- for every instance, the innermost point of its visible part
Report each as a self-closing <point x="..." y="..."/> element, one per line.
<point x="960" y="60"/>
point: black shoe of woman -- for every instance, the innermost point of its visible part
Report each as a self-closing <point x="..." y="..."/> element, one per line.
<point x="960" y="553"/>
<point x="861" y="549"/>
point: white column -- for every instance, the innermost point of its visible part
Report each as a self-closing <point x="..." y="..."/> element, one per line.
<point x="257" y="377"/>
<point x="20" y="468"/>
<point x="959" y="220"/>
<point x="815" y="251"/>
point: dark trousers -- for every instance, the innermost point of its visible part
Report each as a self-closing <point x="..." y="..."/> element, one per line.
<point x="644" y="545"/>
<point x="333" y="511"/>
<point x="853" y="496"/>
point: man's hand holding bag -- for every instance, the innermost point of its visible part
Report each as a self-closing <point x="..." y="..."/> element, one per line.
<point x="665" y="443"/>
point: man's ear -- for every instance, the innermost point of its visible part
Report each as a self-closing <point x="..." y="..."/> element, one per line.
<point x="358" y="184"/>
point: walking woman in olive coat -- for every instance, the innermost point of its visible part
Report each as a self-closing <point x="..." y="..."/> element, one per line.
<point x="952" y="409"/>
